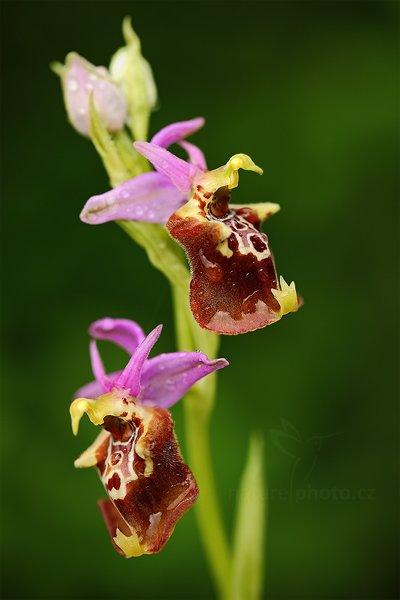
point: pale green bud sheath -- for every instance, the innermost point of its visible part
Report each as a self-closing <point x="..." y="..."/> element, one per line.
<point x="134" y="75"/>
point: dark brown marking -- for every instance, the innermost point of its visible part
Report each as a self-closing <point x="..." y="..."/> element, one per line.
<point x="258" y="243"/>
<point x="169" y="491"/>
<point x="242" y="287"/>
<point x="219" y="207"/>
<point x="114" y="482"/>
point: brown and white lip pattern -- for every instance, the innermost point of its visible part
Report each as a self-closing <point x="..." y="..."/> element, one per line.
<point x="149" y="487"/>
<point x="234" y="287"/>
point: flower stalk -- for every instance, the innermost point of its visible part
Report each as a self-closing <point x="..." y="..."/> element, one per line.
<point x="198" y="406"/>
<point x="208" y="510"/>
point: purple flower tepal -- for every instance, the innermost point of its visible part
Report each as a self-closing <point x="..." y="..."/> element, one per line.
<point x="154" y="196"/>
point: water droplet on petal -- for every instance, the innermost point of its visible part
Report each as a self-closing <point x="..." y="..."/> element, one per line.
<point x="72" y="85"/>
<point x="108" y="324"/>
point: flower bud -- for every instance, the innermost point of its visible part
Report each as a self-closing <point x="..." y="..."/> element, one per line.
<point x="80" y="79"/>
<point x="134" y="75"/>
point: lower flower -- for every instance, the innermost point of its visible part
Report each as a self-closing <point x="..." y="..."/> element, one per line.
<point x="140" y="465"/>
<point x="149" y="487"/>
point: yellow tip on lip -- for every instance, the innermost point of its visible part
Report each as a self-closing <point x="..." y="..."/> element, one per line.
<point x="107" y="404"/>
<point x="287" y="297"/>
<point x="89" y="457"/>
<point x="236" y="162"/>
<point x="130" y="546"/>
<point x="227" y="175"/>
<point x="77" y="410"/>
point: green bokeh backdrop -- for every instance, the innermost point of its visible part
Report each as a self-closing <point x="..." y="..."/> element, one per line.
<point x="309" y="90"/>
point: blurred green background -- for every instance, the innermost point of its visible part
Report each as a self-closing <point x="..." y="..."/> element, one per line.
<point x="310" y="91"/>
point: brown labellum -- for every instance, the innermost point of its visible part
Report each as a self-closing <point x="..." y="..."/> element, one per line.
<point x="148" y="484"/>
<point x="233" y="271"/>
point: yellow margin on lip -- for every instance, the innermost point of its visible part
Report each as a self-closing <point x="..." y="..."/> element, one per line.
<point x="287" y="297"/>
<point x="130" y="546"/>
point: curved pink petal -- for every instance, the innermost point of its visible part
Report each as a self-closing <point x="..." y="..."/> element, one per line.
<point x="167" y="377"/>
<point x="196" y="156"/>
<point x="125" y="333"/>
<point x="177" y="131"/>
<point x="149" y="197"/>
<point x="180" y="172"/>
<point x="97" y="367"/>
<point x="130" y="376"/>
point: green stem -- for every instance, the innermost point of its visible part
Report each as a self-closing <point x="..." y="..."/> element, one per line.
<point x="208" y="512"/>
<point x="198" y="405"/>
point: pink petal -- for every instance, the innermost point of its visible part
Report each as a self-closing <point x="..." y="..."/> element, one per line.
<point x="196" y="156"/>
<point x="177" y="131"/>
<point x="179" y="171"/>
<point x="130" y="376"/>
<point x="125" y="333"/>
<point x="167" y="377"/>
<point x="150" y="197"/>
<point x="97" y="367"/>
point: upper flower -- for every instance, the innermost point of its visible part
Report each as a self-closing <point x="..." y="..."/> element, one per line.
<point x="80" y="79"/>
<point x="234" y="287"/>
<point x="137" y="454"/>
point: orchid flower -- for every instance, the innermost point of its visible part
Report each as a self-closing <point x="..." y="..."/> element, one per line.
<point x="234" y="286"/>
<point x="149" y="487"/>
